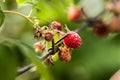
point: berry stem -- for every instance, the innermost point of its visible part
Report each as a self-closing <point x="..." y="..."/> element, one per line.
<point x="61" y="39"/>
<point x="46" y="55"/>
<point x="82" y="28"/>
<point x="53" y="46"/>
<point x="20" y="14"/>
<point x="24" y="69"/>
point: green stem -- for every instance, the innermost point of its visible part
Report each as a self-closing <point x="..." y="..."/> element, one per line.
<point x="20" y="14"/>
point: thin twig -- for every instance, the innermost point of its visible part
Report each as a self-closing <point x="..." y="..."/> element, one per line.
<point x="61" y="39"/>
<point x="53" y="46"/>
<point x="24" y="69"/>
<point x="82" y="28"/>
<point x="46" y="55"/>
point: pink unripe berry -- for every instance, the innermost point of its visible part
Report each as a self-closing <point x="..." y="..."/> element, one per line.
<point x="56" y="25"/>
<point x="74" y="14"/>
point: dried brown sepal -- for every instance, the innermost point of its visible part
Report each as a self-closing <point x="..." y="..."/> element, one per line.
<point x="38" y="33"/>
<point x="48" y="35"/>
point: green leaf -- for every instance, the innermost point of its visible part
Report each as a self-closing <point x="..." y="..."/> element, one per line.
<point x="92" y="8"/>
<point x="8" y="62"/>
<point x="47" y="11"/>
<point x="2" y="17"/>
<point x="20" y="1"/>
<point x="23" y="2"/>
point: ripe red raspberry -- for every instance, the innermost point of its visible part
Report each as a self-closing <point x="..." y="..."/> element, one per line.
<point x="65" y="54"/>
<point x="73" y="40"/>
<point x="56" y="25"/>
<point x="74" y="14"/>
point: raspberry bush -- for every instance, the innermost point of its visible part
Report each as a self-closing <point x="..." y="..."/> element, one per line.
<point x="59" y="40"/>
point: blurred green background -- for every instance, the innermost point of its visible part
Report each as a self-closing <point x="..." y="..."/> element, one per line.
<point x="97" y="59"/>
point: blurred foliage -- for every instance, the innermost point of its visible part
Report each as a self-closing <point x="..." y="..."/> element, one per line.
<point x="93" y="9"/>
<point x="2" y="16"/>
<point x="97" y="59"/>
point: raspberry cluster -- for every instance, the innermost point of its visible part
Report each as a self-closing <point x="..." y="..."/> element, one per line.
<point x="46" y="35"/>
